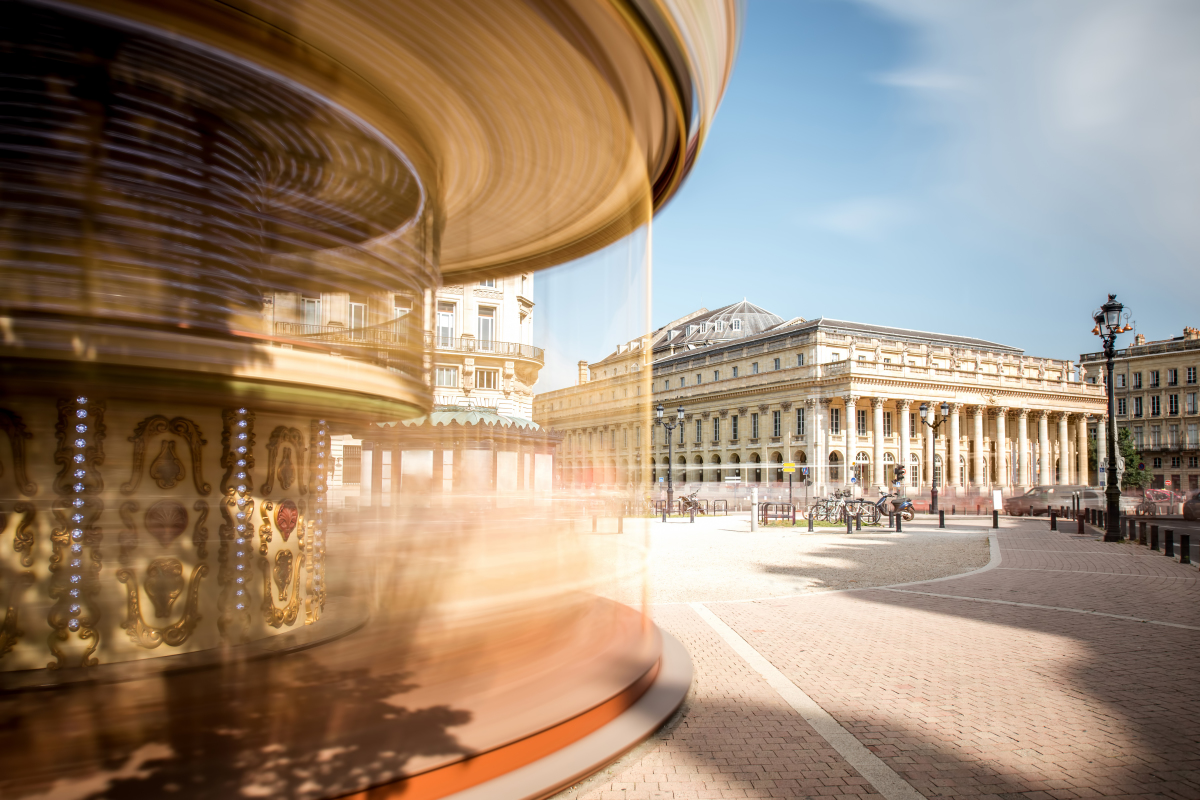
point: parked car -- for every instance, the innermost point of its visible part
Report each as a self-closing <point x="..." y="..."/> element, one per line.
<point x="1037" y="500"/>
<point x="1191" y="506"/>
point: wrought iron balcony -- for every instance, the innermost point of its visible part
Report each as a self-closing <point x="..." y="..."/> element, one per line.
<point x="396" y="336"/>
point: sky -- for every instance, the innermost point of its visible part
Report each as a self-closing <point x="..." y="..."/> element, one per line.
<point x="989" y="169"/>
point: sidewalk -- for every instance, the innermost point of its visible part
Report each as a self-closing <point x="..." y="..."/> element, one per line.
<point x="1068" y="669"/>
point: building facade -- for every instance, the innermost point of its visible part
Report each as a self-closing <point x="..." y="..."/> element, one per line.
<point x="837" y="398"/>
<point x="479" y="336"/>
<point x="1158" y="402"/>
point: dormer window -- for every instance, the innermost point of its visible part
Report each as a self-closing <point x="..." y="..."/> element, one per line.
<point x="737" y="324"/>
<point x="691" y="329"/>
<point x="720" y="326"/>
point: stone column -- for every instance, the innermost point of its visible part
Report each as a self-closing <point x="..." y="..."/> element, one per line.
<point x="952" y="455"/>
<point x="812" y="434"/>
<point x="1045" y="462"/>
<point x="979" y="454"/>
<point x="1064" y="451"/>
<point x="850" y="432"/>
<point x="1023" y="449"/>
<point x="880" y="480"/>
<point x="1002" y="469"/>
<point x="905" y="434"/>
<point x="1083" y="471"/>
<point x="927" y="481"/>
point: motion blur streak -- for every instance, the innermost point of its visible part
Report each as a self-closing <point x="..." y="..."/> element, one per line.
<point x="273" y="519"/>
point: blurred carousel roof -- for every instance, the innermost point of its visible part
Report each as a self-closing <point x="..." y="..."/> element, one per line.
<point x="465" y="415"/>
<point x="540" y="130"/>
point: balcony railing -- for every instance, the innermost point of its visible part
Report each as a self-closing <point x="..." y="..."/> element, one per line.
<point x="397" y="336"/>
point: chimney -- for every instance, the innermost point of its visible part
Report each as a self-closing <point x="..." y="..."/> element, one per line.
<point x="1139" y="339"/>
<point x="583" y="373"/>
<point x="1191" y="333"/>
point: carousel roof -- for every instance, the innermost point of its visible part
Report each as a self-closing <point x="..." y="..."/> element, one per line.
<point x="465" y="415"/>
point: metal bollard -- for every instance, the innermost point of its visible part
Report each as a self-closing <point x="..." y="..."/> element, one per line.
<point x="891" y="520"/>
<point x="941" y="518"/>
<point x="1154" y="537"/>
<point x="858" y="521"/>
<point x="664" y="513"/>
<point x="953" y="510"/>
<point x="1142" y="532"/>
<point x="1185" y="548"/>
<point x="849" y="524"/>
<point x="899" y="521"/>
<point x="810" y="519"/>
<point x="1169" y="549"/>
<point x="995" y="518"/>
<point x="692" y="514"/>
<point x="1053" y="520"/>
<point x="1079" y="524"/>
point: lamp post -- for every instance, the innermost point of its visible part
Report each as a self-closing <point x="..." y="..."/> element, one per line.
<point x="1111" y="319"/>
<point x="927" y="412"/>
<point x="670" y="426"/>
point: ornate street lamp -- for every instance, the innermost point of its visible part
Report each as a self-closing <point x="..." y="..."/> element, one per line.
<point x="1111" y="319"/>
<point x="670" y="426"/>
<point x="933" y="422"/>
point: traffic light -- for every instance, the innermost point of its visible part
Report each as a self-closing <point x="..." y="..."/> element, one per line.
<point x="899" y="471"/>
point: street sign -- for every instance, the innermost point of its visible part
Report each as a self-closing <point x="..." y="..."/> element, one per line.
<point x="732" y="479"/>
<point x="789" y="465"/>
<point x="662" y="480"/>
<point x="804" y="471"/>
<point x="786" y="468"/>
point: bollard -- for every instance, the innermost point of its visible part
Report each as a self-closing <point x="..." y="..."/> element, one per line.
<point x="858" y="521"/>
<point x="1185" y="548"/>
<point x="595" y="523"/>
<point x="899" y="521"/>
<point x="810" y="519"/>
<point x="1079" y="524"/>
<point x="1154" y="537"/>
<point x="621" y="524"/>
<point x="953" y="510"/>
<point x="849" y="524"/>
<point x="995" y="518"/>
<point x="1103" y="521"/>
<point x="1169" y="549"/>
<point x="692" y="514"/>
<point x="1053" y="520"/>
<point x="891" y="520"/>
<point x="942" y="518"/>
<point x="1142" y="532"/>
<point x="754" y="509"/>
<point x="664" y="513"/>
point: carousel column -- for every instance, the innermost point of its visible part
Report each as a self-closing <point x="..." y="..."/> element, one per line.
<point x="881" y="480"/>
<point x="1045" y="462"/>
<point x="1023" y="449"/>
<point x="1002" y="468"/>
<point x="1064" y="451"/>
<point x="955" y="443"/>
<point x="979" y="455"/>
<point x="905" y="433"/>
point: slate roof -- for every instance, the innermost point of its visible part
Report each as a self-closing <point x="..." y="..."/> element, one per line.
<point x="704" y="328"/>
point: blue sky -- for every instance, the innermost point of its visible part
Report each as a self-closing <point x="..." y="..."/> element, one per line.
<point x="982" y="168"/>
<point x="987" y="168"/>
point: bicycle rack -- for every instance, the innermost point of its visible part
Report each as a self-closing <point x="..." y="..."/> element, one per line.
<point x="779" y="511"/>
<point x="720" y="505"/>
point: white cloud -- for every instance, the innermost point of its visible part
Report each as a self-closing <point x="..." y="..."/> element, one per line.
<point x="1082" y="119"/>
<point x="861" y="218"/>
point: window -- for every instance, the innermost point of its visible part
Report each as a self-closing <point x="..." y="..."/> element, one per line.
<point x="487" y="327"/>
<point x="1191" y="403"/>
<point x="1137" y="380"/>
<point x="637" y="437"/>
<point x="1193" y="438"/>
<point x="1175" y="463"/>
<point x="682" y="382"/>
<point x="716" y="374"/>
<point x="1138" y="440"/>
<point x="716" y="429"/>
<point x="861" y="421"/>
<point x="887" y="423"/>
<point x="912" y="424"/>
<point x="914" y="469"/>
<point x="800" y="421"/>
<point x="489" y="284"/>
<point x="1173" y="405"/>
<point x="666" y="435"/>
<point x="699" y="378"/>
<point x="1193" y="463"/>
<point x="312" y="311"/>
<point x="835" y="421"/>
<point x="777" y="423"/>
<point x="612" y="440"/>
<point x="1191" y="374"/>
<point x="1155" y="406"/>
<point x="800" y="360"/>
<point x="699" y="431"/>
<point x="1173" y="435"/>
<point x="737" y="324"/>
<point x="1137" y="406"/>
<point x="358" y="316"/>
<point x="1172" y="377"/>
<point x="681" y="434"/>
<point x="1155" y="435"/>
<point x="735" y="427"/>
<point x="1153" y="379"/>
<point x="1157" y="463"/>
<point x="720" y="326"/>
<point x="447" y="376"/>
<point x="777" y="363"/>
<point x="625" y="439"/>
<point x="1121" y="381"/>
<point x="1121" y="408"/>
<point x="445" y="324"/>
<point x="754" y="368"/>
<point x="735" y="372"/>
<point x="754" y="426"/>
<point x="487" y="379"/>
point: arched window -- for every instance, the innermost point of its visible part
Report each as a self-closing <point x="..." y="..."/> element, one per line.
<point x="735" y="459"/>
<point x="862" y="468"/>
<point x="937" y="471"/>
<point x="889" y="468"/>
<point x="834" y="466"/>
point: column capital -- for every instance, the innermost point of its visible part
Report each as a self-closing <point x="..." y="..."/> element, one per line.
<point x="825" y="401"/>
<point x="705" y="414"/>
<point x="904" y="404"/>
<point x="810" y="402"/>
<point x="850" y="399"/>
<point x="743" y="409"/>
<point x="764" y="407"/>
<point x="724" y="412"/>
<point x="979" y="410"/>
<point x="877" y="402"/>
<point x="786" y="405"/>
<point x="1023" y="413"/>
<point x="1001" y="411"/>
<point x="955" y="408"/>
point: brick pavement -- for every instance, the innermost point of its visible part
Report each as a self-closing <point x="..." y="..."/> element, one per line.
<point x="960" y="698"/>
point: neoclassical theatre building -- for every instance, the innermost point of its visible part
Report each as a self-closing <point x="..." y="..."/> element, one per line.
<point x="839" y="398"/>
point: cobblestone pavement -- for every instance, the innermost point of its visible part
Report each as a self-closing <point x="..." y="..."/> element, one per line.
<point x="1067" y="670"/>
